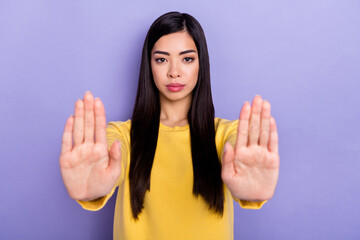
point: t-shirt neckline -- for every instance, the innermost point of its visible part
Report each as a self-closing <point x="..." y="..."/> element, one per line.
<point x="176" y="128"/>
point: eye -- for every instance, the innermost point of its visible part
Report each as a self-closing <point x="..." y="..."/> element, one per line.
<point x="188" y="59"/>
<point x="160" y="60"/>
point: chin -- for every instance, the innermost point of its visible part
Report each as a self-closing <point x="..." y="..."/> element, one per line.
<point x="176" y="98"/>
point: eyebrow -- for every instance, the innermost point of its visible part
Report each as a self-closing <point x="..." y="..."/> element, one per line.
<point x="181" y="53"/>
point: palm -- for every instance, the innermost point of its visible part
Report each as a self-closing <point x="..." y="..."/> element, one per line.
<point x="87" y="164"/>
<point x="250" y="170"/>
<point x="88" y="168"/>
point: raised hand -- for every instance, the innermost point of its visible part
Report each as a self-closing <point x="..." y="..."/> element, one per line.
<point x="251" y="170"/>
<point x="88" y="169"/>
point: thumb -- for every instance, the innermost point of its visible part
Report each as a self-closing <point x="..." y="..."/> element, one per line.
<point x="115" y="156"/>
<point x="227" y="169"/>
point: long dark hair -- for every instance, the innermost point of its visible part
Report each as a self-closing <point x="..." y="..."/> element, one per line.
<point x="146" y="116"/>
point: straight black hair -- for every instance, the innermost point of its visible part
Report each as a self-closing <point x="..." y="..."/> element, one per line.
<point x="146" y="118"/>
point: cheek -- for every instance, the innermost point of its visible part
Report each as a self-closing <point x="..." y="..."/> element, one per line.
<point x="157" y="69"/>
<point x="195" y="73"/>
<point x="158" y="76"/>
<point x="155" y="72"/>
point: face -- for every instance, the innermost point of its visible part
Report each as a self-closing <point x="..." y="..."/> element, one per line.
<point x="175" y="66"/>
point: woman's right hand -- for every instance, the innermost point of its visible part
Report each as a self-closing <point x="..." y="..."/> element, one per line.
<point x="89" y="170"/>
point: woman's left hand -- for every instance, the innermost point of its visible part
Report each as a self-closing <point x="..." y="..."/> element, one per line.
<point x="251" y="170"/>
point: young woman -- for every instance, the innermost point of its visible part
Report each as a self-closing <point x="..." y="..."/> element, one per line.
<point x="177" y="168"/>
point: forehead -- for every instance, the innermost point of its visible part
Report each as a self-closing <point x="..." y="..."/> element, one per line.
<point x="175" y="42"/>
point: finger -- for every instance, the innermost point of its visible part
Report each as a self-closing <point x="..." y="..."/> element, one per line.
<point x="78" y="131"/>
<point x="89" y="117"/>
<point x="67" y="135"/>
<point x="227" y="168"/>
<point x="243" y="127"/>
<point x="115" y="156"/>
<point x="265" y="124"/>
<point x="254" y="128"/>
<point x="100" y="121"/>
<point x="274" y="138"/>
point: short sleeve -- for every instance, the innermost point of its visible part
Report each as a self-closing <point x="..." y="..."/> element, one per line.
<point x="114" y="131"/>
<point x="226" y="131"/>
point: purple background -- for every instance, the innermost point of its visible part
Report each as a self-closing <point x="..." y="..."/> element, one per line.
<point x="302" y="56"/>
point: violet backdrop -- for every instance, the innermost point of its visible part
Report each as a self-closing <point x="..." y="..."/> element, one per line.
<point x="302" y="56"/>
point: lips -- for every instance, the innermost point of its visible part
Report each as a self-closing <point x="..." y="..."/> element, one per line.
<point x="175" y="87"/>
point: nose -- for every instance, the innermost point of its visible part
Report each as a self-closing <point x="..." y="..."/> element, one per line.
<point x="174" y="71"/>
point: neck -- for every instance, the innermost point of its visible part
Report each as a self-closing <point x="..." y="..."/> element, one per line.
<point x="174" y="113"/>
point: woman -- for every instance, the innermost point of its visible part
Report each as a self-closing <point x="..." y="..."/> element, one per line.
<point x="177" y="167"/>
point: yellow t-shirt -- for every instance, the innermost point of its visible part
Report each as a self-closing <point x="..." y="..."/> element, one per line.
<point x="170" y="210"/>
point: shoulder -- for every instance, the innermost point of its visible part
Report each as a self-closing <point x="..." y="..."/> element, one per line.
<point x="225" y="131"/>
<point x="224" y="125"/>
<point x="119" y="127"/>
<point x="120" y="124"/>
